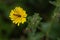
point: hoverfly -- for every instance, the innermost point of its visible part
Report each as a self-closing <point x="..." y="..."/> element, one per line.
<point x="17" y="15"/>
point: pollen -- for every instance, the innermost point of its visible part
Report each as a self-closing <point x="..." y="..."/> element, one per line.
<point x="18" y="15"/>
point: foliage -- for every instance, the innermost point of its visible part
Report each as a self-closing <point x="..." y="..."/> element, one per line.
<point x="43" y="20"/>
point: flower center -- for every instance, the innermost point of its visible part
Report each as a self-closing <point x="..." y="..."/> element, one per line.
<point x="17" y="15"/>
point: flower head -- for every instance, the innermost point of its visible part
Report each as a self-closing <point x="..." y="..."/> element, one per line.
<point x="18" y="15"/>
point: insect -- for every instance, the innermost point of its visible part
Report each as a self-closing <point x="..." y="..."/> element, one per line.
<point x="17" y="15"/>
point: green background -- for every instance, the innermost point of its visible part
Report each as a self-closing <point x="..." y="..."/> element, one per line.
<point x="43" y="20"/>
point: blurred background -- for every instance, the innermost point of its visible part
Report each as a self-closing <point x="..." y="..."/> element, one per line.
<point x="43" y="20"/>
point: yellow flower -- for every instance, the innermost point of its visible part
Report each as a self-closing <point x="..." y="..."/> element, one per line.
<point x="18" y="15"/>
